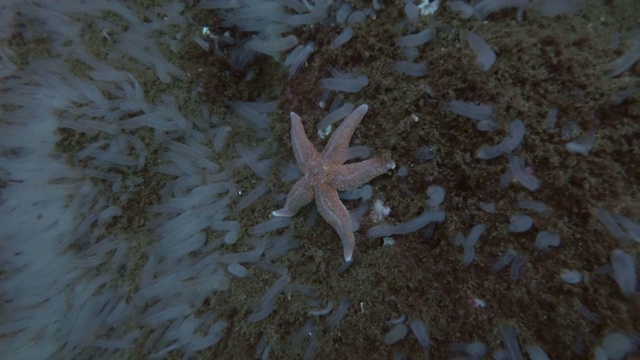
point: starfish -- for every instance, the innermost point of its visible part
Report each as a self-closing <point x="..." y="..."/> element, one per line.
<point x="326" y="173"/>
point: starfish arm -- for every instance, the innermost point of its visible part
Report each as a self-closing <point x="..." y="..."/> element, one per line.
<point x="339" y="141"/>
<point x="300" y="195"/>
<point x="303" y="149"/>
<point x="351" y="176"/>
<point x="334" y="212"/>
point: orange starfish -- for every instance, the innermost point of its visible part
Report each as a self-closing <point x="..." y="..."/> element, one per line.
<point x="326" y="173"/>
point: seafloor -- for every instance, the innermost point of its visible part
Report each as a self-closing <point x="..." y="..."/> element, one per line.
<point x="541" y="63"/>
